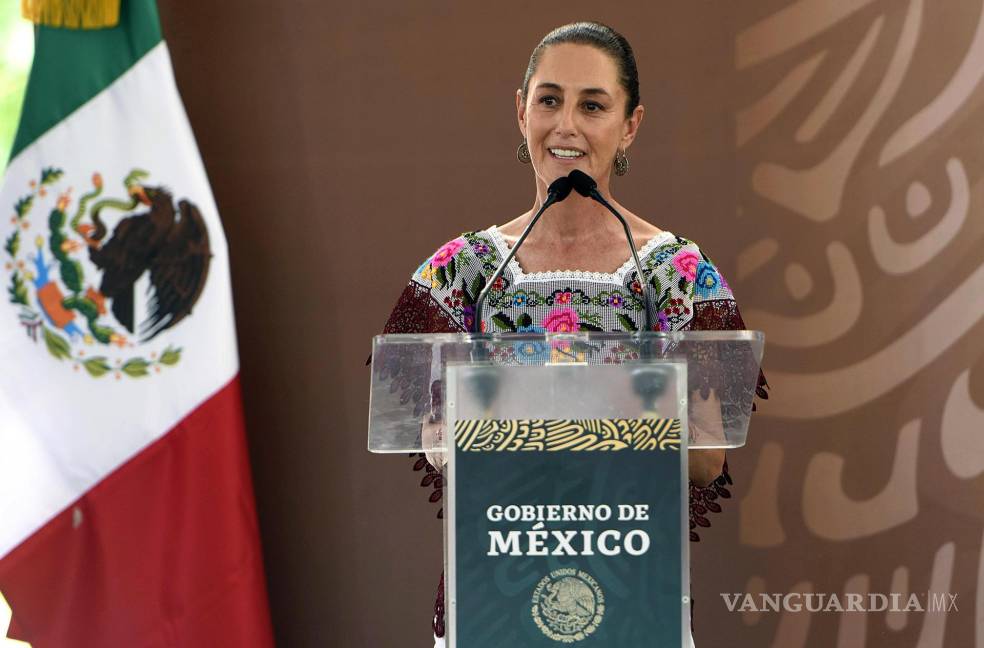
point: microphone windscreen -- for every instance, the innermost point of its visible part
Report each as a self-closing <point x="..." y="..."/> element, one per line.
<point x="583" y="183"/>
<point x="560" y="188"/>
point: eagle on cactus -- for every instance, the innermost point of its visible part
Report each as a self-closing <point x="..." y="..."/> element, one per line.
<point x="144" y="234"/>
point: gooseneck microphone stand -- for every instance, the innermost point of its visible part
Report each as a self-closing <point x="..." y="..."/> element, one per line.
<point x="587" y="187"/>
<point x="485" y="381"/>
<point x="557" y="191"/>
<point x="649" y="382"/>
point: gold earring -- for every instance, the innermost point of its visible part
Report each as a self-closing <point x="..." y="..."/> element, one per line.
<point x="523" y="153"/>
<point x="621" y="163"/>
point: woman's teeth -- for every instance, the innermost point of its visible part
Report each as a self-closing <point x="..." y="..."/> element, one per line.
<point x="566" y="153"/>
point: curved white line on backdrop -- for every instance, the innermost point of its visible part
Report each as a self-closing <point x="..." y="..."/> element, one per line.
<point x="821" y="114"/>
<point x="962" y="431"/>
<point x="900" y="258"/>
<point x="853" y="628"/>
<point x="830" y="514"/>
<point x="828" y="393"/>
<point x="794" y="627"/>
<point x="799" y="281"/>
<point x="824" y="326"/>
<point x="759" y="523"/>
<point x="755" y="118"/>
<point x="789" y="27"/>
<point x="928" y="120"/>
<point x="934" y="623"/>
<point x="896" y="618"/>
<point x="755" y="256"/>
<point x="816" y="192"/>
<point x="756" y="587"/>
<point x="917" y="199"/>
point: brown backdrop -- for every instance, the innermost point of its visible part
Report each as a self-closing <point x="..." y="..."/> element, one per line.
<point x="826" y="155"/>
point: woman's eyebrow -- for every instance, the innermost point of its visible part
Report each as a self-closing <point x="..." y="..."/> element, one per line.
<point x="595" y="91"/>
<point x="549" y="85"/>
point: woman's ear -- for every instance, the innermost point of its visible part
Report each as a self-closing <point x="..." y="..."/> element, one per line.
<point x="632" y="126"/>
<point x="521" y="112"/>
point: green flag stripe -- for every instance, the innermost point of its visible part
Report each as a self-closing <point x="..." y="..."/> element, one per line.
<point x="71" y="66"/>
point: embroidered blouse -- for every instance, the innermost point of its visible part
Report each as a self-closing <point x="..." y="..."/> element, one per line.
<point x="688" y="292"/>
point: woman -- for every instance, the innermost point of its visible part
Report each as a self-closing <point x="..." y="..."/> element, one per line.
<point x="578" y="108"/>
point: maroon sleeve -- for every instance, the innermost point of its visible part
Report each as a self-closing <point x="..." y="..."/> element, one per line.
<point x="417" y="311"/>
<point x="716" y="315"/>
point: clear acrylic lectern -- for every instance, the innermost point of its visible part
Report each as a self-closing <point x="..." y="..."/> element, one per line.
<point x="564" y="459"/>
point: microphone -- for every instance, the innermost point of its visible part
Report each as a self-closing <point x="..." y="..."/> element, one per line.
<point x="587" y="187"/>
<point x="484" y="379"/>
<point x="557" y="191"/>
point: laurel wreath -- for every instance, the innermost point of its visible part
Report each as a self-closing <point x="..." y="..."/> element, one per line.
<point x="56" y="344"/>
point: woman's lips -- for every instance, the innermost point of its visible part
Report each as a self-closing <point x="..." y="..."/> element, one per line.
<point x="566" y="158"/>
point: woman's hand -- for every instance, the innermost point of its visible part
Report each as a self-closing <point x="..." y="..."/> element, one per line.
<point x="432" y="437"/>
<point x="705" y="465"/>
<point x="706" y="428"/>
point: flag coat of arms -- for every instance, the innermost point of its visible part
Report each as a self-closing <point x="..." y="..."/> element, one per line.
<point x="126" y="506"/>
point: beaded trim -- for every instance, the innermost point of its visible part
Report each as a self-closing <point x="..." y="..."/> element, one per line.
<point x="617" y="277"/>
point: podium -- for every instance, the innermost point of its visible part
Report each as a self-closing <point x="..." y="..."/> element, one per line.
<point x="565" y="467"/>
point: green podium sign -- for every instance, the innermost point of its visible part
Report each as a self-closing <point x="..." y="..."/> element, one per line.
<point x="563" y="533"/>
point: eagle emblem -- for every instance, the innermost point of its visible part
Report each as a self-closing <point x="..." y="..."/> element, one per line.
<point x="106" y="275"/>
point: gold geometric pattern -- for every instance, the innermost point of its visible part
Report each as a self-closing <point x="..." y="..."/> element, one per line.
<point x="553" y="435"/>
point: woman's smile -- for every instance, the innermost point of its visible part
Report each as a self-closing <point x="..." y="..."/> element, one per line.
<point x="566" y="154"/>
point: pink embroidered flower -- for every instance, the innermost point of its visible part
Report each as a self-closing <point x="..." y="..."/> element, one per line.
<point x="686" y="262"/>
<point x="561" y="320"/>
<point x="443" y="256"/>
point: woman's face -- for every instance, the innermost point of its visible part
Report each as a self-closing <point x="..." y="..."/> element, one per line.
<point x="574" y="114"/>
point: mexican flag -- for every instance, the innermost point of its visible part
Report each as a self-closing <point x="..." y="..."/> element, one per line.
<point x="126" y="506"/>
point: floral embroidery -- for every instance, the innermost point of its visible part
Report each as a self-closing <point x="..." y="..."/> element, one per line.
<point x="427" y="274"/>
<point x="566" y="352"/>
<point x="686" y="262"/>
<point x="561" y="320"/>
<point x="707" y="280"/>
<point x="662" y="255"/>
<point x="443" y="256"/>
<point x="468" y="317"/>
<point x="532" y="352"/>
<point x="620" y="354"/>
<point x="664" y="322"/>
<point x="567" y="297"/>
<point x="485" y="252"/>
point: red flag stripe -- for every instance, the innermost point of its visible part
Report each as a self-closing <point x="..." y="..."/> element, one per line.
<point x="164" y="551"/>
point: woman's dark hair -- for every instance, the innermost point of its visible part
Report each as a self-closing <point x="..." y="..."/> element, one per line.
<point x="604" y="38"/>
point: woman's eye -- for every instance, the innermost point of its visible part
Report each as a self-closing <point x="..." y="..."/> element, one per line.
<point x="591" y="106"/>
<point x="548" y="100"/>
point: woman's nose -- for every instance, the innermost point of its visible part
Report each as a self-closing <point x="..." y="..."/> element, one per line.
<point x="566" y="123"/>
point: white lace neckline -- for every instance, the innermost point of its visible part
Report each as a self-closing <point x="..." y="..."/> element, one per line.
<point x="616" y="277"/>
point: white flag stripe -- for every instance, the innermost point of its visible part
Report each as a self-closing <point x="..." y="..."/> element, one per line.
<point x="61" y="431"/>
